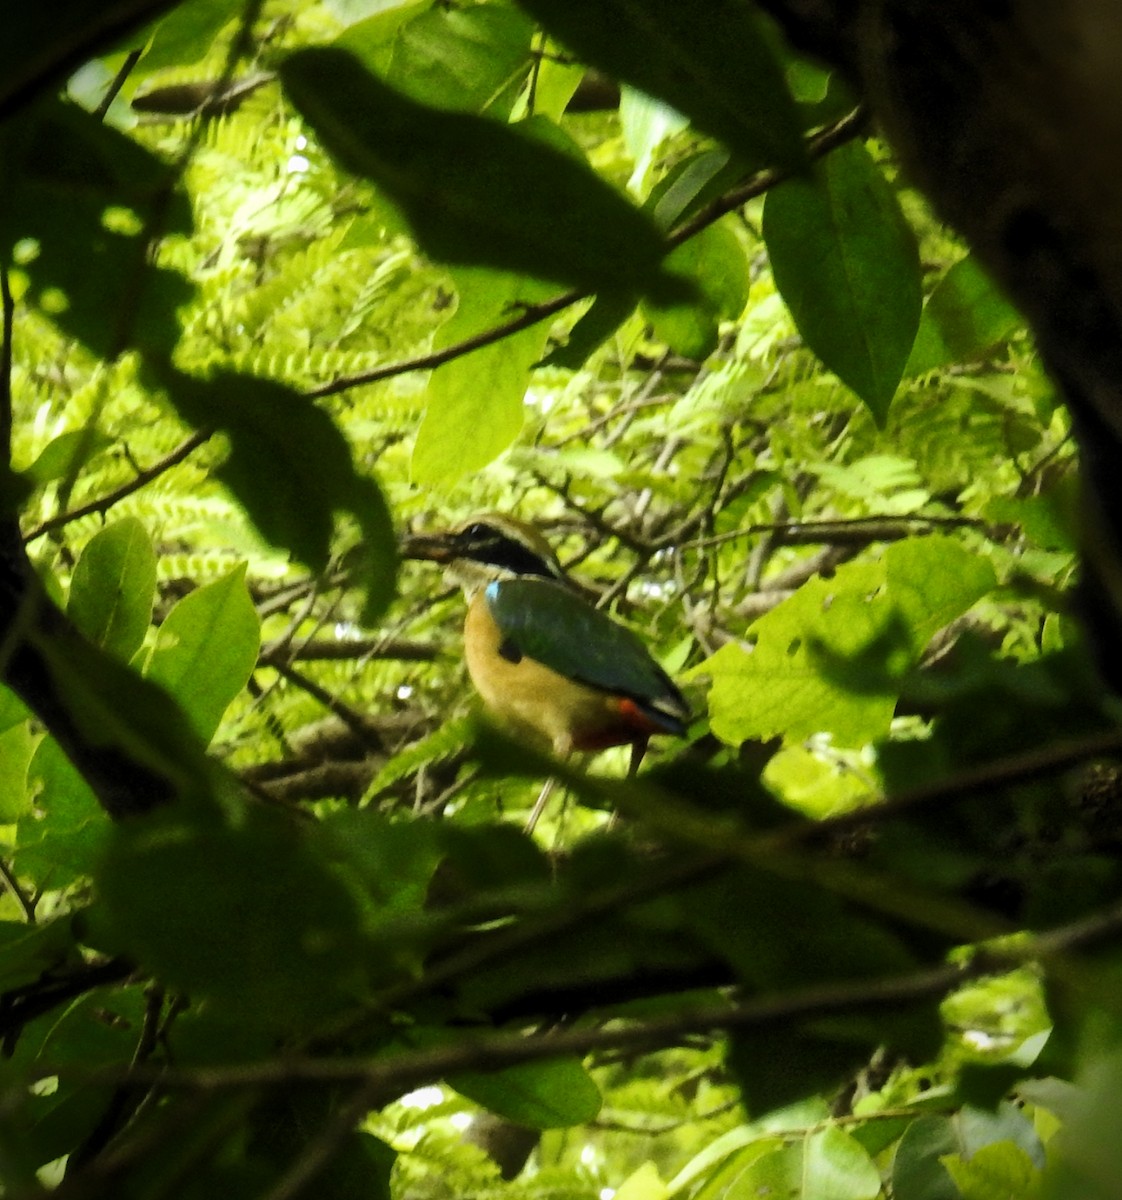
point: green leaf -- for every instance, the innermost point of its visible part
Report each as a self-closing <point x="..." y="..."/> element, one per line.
<point x="644" y="1183"/>
<point x="646" y="124"/>
<point x="186" y="34"/>
<point x="113" y="587"/>
<point x="291" y="469"/>
<point x="474" y="403"/>
<point x="607" y="313"/>
<point x="836" y="1167"/>
<point x="17" y="745"/>
<point x="711" y="62"/>
<point x="462" y="59"/>
<point x="118" y="715"/>
<point x="690" y="184"/>
<point x="1001" y="1171"/>
<point x="206" y="649"/>
<point x="921" y="1167"/>
<point x="715" y="260"/>
<point x="61" y="838"/>
<point x="247" y="916"/>
<point x="26" y="951"/>
<point x="831" y="657"/>
<point x="553" y="1094"/>
<point x="65" y="455"/>
<point x="846" y="263"/>
<point x="964" y="318"/>
<point x="476" y="191"/>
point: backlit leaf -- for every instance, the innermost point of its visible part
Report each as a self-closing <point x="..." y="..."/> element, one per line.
<point x="113" y="586"/>
<point x="206" y="649"/>
<point x="846" y="263"/>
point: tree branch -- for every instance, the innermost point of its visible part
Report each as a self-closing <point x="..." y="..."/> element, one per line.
<point x="390" y="1077"/>
<point x="821" y="143"/>
<point x="104" y="503"/>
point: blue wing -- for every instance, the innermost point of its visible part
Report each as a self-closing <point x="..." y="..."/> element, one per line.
<point x="554" y="626"/>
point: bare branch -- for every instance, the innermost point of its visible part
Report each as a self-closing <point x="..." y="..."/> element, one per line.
<point x="104" y="503"/>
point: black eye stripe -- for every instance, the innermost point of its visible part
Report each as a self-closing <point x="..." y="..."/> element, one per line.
<point x="487" y="545"/>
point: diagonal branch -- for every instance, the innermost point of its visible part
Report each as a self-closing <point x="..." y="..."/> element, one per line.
<point x="843" y="130"/>
<point x="103" y="504"/>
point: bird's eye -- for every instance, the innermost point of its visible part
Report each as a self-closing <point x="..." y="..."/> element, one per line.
<point x="478" y="530"/>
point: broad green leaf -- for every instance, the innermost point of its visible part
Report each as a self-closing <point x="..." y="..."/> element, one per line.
<point x="543" y="1095"/>
<point x="291" y="469"/>
<point x="711" y="62"/>
<point x="186" y="34"/>
<point x="846" y="263"/>
<point x="125" y="733"/>
<point x="721" y="1162"/>
<point x="690" y="184"/>
<point x="965" y="317"/>
<point x="17" y="745"/>
<point x="830" y="658"/>
<point x="113" y="587"/>
<point x="462" y="59"/>
<point x="476" y="191"/>
<point x="61" y="838"/>
<point x="836" y="1167"/>
<point x="607" y="313"/>
<point x="26" y="951"/>
<point x="921" y="1169"/>
<point x="206" y="649"/>
<point x="247" y="917"/>
<point x="715" y="260"/>
<point x="66" y="454"/>
<point x="370" y="35"/>
<point x="1001" y="1171"/>
<point x="474" y="403"/>
<point x="774" y="1173"/>
<point x="644" y="1183"/>
<point x="13" y="711"/>
<point x="646" y="124"/>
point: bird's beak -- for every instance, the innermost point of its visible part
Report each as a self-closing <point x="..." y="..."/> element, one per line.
<point x="432" y="547"/>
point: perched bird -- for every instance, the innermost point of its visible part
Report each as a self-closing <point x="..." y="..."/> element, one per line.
<point x="545" y="661"/>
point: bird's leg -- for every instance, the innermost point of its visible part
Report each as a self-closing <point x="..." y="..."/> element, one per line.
<point x="540" y="803"/>
<point x="638" y="749"/>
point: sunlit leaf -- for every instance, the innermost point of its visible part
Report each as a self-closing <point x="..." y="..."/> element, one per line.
<point x="113" y="586"/>
<point x="965" y="317"/>
<point x="551" y="1094"/>
<point x="464" y="59"/>
<point x="475" y="403"/>
<point x="846" y="263"/>
<point x="206" y="648"/>
<point x="830" y="659"/>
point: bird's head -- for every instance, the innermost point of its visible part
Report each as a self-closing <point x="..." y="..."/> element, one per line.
<point x="488" y="547"/>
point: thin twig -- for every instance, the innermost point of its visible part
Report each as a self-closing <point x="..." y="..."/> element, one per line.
<point x="1002" y="772"/>
<point x="111" y="93"/>
<point x="103" y="503"/>
<point x="25" y="902"/>
<point x="531" y="315"/>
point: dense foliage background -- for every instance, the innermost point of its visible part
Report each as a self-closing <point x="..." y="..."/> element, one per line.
<point x="283" y="278"/>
